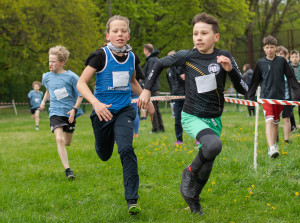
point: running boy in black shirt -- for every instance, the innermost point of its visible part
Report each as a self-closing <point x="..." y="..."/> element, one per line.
<point x="269" y="72"/>
<point x="205" y="73"/>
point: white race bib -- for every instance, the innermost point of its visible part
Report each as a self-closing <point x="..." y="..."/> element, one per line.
<point x="120" y="78"/>
<point x="61" y="93"/>
<point x="206" y="83"/>
<point x="37" y="100"/>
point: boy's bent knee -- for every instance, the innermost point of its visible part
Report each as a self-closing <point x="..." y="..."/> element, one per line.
<point x="211" y="148"/>
<point x="60" y="140"/>
<point x="211" y="144"/>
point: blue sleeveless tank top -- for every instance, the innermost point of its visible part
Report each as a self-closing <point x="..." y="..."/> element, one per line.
<point x="113" y="81"/>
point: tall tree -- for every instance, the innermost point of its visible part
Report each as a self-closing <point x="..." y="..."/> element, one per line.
<point x="168" y="23"/>
<point x="29" y="28"/>
<point x="270" y="16"/>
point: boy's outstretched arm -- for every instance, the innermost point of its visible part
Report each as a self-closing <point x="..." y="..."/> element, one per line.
<point x="144" y="98"/>
<point x="46" y="97"/>
<point x="168" y="61"/>
<point x="100" y="109"/>
<point x="136" y="88"/>
<point x="235" y="76"/>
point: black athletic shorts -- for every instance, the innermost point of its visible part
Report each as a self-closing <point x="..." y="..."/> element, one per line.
<point x="62" y="121"/>
<point x="33" y="110"/>
<point x="287" y="111"/>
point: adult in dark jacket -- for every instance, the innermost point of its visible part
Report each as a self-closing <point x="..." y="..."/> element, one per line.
<point x="151" y="58"/>
<point x="176" y="84"/>
<point x="247" y="76"/>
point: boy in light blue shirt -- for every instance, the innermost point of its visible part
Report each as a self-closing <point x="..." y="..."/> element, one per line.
<point x="64" y="102"/>
<point x="34" y="99"/>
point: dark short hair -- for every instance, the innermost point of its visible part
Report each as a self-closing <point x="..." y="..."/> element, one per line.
<point x="294" y="52"/>
<point x="270" y="40"/>
<point x="208" y="19"/>
<point x="149" y="47"/>
<point x="282" y="49"/>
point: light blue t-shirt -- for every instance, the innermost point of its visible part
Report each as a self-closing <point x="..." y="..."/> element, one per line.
<point x="113" y="81"/>
<point x="63" y="92"/>
<point x="35" y="98"/>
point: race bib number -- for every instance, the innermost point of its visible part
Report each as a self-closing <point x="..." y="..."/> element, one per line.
<point x="37" y="100"/>
<point x="120" y="78"/>
<point x="206" y="83"/>
<point x="61" y="93"/>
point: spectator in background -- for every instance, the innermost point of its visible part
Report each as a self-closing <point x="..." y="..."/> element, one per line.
<point x="230" y="90"/>
<point x="247" y="77"/>
<point x="151" y="58"/>
<point x="177" y="88"/>
<point x="295" y="62"/>
<point x="287" y="109"/>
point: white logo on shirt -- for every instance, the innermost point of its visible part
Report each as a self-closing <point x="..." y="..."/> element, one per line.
<point x="214" y="68"/>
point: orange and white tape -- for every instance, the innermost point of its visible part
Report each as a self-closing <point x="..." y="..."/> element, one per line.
<point x="278" y="102"/>
<point x="227" y="99"/>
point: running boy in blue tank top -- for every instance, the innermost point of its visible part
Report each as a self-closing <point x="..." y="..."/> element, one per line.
<point x="34" y="99"/>
<point x="112" y="118"/>
<point x="64" y="102"/>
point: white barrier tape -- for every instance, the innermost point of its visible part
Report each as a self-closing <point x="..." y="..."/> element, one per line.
<point x="278" y="102"/>
<point x="161" y="98"/>
<point x="169" y="98"/>
<point x="227" y="99"/>
<point x="240" y="101"/>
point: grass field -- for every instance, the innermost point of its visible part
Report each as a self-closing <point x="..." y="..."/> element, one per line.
<point x="34" y="187"/>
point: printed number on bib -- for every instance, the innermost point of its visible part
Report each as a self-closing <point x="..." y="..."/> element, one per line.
<point x="61" y="93"/>
<point x="206" y="83"/>
<point x="120" y="78"/>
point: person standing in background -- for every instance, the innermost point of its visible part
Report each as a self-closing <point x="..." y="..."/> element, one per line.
<point x="151" y="57"/>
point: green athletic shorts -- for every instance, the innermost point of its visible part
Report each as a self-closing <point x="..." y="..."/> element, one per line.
<point x="192" y="125"/>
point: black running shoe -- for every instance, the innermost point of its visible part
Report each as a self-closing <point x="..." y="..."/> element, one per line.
<point x="133" y="207"/>
<point x="69" y="174"/>
<point x="194" y="205"/>
<point x="189" y="192"/>
<point x="188" y="182"/>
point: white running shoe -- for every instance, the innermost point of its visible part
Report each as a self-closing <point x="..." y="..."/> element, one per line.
<point x="273" y="151"/>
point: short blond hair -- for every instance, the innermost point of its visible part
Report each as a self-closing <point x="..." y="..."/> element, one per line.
<point x="61" y="52"/>
<point x="36" y="82"/>
<point x="117" y="17"/>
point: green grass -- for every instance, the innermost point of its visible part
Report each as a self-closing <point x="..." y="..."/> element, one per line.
<point x="34" y="187"/>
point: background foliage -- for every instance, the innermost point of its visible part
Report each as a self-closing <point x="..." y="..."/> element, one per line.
<point x="29" y="28"/>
